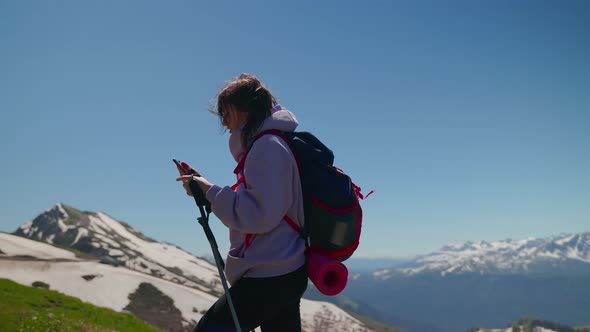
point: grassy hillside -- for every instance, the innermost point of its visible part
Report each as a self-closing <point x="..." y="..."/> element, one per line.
<point x="33" y="309"/>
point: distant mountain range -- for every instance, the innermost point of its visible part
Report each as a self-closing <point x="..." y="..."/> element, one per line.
<point x="112" y="264"/>
<point x="567" y="253"/>
<point x="483" y="284"/>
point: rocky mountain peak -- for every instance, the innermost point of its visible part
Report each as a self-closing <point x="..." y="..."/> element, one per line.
<point x="117" y="243"/>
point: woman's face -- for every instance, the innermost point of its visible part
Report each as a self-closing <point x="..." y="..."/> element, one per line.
<point x="233" y="119"/>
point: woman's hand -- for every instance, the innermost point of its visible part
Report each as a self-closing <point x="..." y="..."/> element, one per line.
<point x="203" y="183"/>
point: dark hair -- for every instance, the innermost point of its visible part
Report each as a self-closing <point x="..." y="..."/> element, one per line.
<point x="246" y="94"/>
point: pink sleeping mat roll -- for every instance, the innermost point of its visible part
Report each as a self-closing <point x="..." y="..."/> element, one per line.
<point x="327" y="274"/>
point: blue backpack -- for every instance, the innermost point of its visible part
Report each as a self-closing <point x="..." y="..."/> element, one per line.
<point x="333" y="215"/>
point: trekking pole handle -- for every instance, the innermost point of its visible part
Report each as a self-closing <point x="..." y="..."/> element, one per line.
<point x="199" y="195"/>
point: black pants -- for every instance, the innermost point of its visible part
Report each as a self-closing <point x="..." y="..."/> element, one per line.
<point x="271" y="303"/>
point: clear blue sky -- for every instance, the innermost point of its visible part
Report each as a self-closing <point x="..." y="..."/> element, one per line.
<point x="470" y="119"/>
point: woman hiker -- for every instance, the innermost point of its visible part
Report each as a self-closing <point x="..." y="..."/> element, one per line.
<point x="265" y="265"/>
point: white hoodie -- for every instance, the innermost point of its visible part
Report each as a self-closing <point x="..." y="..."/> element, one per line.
<point x="271" y="191"/>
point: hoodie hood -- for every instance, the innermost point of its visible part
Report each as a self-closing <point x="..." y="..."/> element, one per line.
<point x="279" y="119"/>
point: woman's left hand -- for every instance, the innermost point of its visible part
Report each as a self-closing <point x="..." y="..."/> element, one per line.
<point x="203" y="183"/>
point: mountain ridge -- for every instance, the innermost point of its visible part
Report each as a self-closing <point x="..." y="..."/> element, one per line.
<point x="118" y="243"/>
<point x="532" y="255"/>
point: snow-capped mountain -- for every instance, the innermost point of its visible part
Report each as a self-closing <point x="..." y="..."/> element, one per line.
<point x="135" y="268"/>
<point x="532" y="255"/>
<point x="487" y="283"/>
<point x="118" y="243"/>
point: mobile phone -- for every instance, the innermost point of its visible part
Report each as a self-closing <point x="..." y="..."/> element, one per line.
<point x="181" y="169"/>
<point x="184" y="168"/>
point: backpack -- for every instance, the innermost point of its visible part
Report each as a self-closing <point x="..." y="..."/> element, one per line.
<point x="333" y="215"/>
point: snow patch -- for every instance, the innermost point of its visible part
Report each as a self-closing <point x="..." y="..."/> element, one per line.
<point x="59" y="208"/>
<point x="380" y="273"/>
<point x="116" y="227"/>
<point x="169" y="256"/>
<point x="26" y="227"/>
<point x="108" y="240"/>
<point x="550" y="255"/>
<point x="63" y="227"/>
<point x="510" y="329"/>
<point x="96" y="225"/>
<point x="62" y="211"/>
<point x="324" y="316"/>
<point x="14" y="245"/>
<point x="82" y="232"/>
<point x="116" y="252"/>
<point x="573" y="253"/>
<point x="565" y="240"/>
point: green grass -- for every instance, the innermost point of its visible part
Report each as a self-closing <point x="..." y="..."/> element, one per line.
<point x="31" y="309"/>
<point x="76" y="252"/>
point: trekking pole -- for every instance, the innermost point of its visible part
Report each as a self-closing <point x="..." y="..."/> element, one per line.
<point x="205" y="209"/>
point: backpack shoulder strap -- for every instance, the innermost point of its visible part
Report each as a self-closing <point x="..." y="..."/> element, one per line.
<point x="240" y="167"/>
